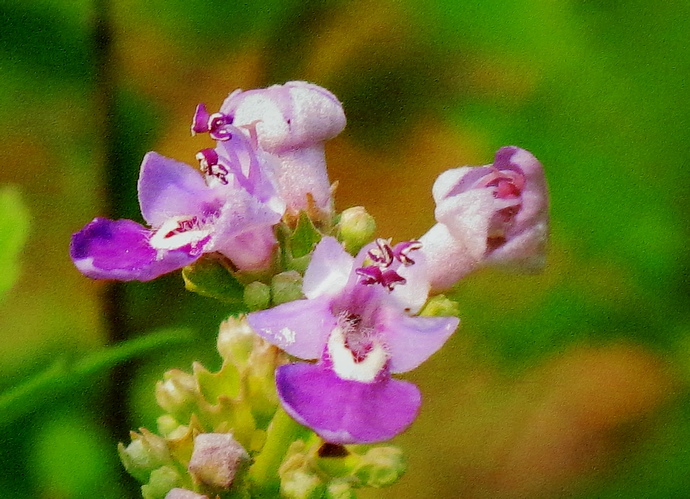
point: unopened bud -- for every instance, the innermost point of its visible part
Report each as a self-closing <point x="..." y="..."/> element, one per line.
<point x="286" y="286"/>
<point x="381" y="466"/>
<point x="177" y="393"/>
<point x="216" y="459"/>
<point x="357" y="228"/>
<point x="236" y="340"/>
<point x="162" y="481"/>
<point x="146" y="453"/>
<point x="257" y="296"/>
<point x="301" y="484"/>
<point x="340" y="489"/>
<point x="184" y="494"/>
<point x="441" y="306"/>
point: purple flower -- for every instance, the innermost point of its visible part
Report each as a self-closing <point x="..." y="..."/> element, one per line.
<point x="292" y="122"/>
<point x="359" y="329"/>
<point x="488" y="215"/>
<point x="231" y="209"/>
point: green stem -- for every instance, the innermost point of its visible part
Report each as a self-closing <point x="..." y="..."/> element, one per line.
<point x="58" y="379"/>
<point x="281" y="433"/>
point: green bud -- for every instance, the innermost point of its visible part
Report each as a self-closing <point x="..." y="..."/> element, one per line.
<point x="236" y="339"/>
<point x="167" y="424"/>
<point x="286" y="286"/>
<point x="381" y="466"/>
<point x="340" y="489"/>
<point x="177" y="393"/>
<point x="441" y="306"/>
<point x="257" y="296"/>
<point x="216" y="459"/>
<point x="162" y="481"/>
<point x="184" y="494"/>
<point x="301" y="484"/>
<point x="146" y="453"/>
<point x="357" y="228"/>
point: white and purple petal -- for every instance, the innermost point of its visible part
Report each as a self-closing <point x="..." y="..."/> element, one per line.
<point x="121" y="250"/>
<point x="345" y="411"/>
<point x="170" y="188"/>
<point x="301" y="327"/>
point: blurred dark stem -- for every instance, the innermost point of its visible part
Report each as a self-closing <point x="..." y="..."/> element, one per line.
<point x="113" y="299"/>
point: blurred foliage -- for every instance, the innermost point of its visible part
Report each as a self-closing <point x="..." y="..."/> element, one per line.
<point x="14" y="227"/>
<point x="569" y="383"/>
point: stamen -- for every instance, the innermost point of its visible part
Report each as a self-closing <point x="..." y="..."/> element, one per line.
<point x="217" y="126"/>
<point x="373" y="274"/>
<point x="208" y="164"/>
<point x="383" y="253"/>
<point x="402" y="250"/>
<point x="200" y="120"/>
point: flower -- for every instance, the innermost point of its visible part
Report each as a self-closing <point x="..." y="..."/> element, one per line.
<point x="216" y="459"/>
<point x="291" y="121"/>
<point x="359" y="329"/>
<point x="230" y="209"/>
<point x="488" y="215"/>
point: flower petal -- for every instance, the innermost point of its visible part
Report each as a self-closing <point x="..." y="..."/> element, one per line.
<point x="120" y="249"/>
<point x="345" y="411"/>
<point x="329" y="270"/>
<point x="169" y="188"/>
<point x="301" y="327"/>
<point x="411" y="340"/>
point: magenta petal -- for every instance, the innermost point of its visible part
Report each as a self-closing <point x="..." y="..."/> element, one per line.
<point x="411" y="340"/>
<point x="120" y="249"/>
<point x="169" y="188"/>
<point x="301" y="327"/>
<point x="343" y="411"/>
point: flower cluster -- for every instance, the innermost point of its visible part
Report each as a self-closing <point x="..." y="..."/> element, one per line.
<point x="349" y="310"/>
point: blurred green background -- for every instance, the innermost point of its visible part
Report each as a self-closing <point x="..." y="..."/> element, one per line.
<point x="573" y="383"/>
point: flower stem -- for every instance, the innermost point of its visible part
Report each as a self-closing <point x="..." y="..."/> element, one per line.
<point x="263" y="474"/>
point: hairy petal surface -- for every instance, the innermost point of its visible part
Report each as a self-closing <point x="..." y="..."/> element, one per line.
<point x="345" y="411"/>
<point x="169" y="188"/>
<point x="412" y="340"/>
<point x="121" y="249"/>
<point x="301" y="327"/>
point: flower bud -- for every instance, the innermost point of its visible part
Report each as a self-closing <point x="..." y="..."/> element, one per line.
<point x="357" y="228"/>
<point x="177" y="393"/>
<point x="216" y="459"/>
<point x="301" y="484"/>
<point x="381" y="466"/>
<point x="257" y="296"/>
<point x="488" y="215"/>
<point x="184" y="494"/>
<point x="441" y="306"/>
<point x="340" y="489"/>
<point x="292" y="121"/>
<point x="162" y="481"/>
<point x="286" y="286"/>
<point x="236" y="340"/>
<point x="146" y="453"/>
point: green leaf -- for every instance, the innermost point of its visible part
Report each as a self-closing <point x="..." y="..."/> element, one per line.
<point x="305" y="237"/>
<point x="62" y="377"/>
<point x="14" y="227"/>
<point x="209" y="277"/>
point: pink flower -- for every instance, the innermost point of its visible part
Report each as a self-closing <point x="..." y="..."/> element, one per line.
<point x="488" y="215"/>
<point x="291" y="122"/>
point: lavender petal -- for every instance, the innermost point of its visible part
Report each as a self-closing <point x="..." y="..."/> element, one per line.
<point x="120" y="249"/>
<point x="344" y="411"/>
